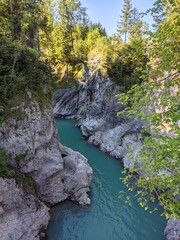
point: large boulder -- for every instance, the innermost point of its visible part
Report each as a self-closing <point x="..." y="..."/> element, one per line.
<point x="73" y="182"/>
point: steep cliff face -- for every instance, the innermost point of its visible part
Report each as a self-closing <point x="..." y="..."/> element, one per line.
<point x="34" y="149"/>
<point x="93" y="99"/>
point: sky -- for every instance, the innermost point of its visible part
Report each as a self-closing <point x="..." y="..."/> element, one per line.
<point x="107" y="12"/>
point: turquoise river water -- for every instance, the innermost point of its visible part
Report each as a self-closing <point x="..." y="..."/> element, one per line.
<point x="108" y="217"/>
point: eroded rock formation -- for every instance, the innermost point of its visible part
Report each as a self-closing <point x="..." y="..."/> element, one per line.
<point x="58" y="172"/>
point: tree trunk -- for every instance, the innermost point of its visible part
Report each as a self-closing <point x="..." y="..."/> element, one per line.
<point x="125" y="37"/>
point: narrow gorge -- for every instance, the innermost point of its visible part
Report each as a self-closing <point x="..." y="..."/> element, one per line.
<point x="89" y="120"/>
<point x="46" y="173"/>
<point x="94" y="104"/>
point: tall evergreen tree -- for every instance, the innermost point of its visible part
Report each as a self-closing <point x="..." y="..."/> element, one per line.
<point x="123" y="27"/>
<point x="137" y="25"/>
<point x="20" y="63"/>
<point x="21" y="20"/>
<point x="70" y="14"/>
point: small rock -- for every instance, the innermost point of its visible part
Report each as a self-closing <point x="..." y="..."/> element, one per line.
<point x="29" y="95"/>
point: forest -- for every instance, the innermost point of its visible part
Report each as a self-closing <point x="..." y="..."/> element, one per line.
<point x="47" y="44"/>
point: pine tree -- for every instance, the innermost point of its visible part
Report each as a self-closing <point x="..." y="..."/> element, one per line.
<point x="137" y="25"/>
<point x="21" y="20"/>
<point x="21" y="65"/>
<point x="123" y="27"/>
<point x="71" y="14"/>
<point x="68" y="12"/>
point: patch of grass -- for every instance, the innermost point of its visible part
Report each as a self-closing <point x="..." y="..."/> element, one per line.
<point x="17" y="99"/>
<point x="66" y="83"/>
<point x="44" y="100"/>
<point x="18" y="113"/>
<point x="5" y="171"/>
<point x="25" y="180"/>
<point x="10" y="109"/>
<point x="21" y="157"/>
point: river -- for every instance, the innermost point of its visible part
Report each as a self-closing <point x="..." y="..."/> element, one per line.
<point x="108" y="217"/>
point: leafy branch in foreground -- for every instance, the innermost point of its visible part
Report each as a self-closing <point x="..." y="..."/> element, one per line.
<point x="157" y="101"/>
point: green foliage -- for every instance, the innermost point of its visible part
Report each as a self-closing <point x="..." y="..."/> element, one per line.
<point x="4" y="168"/>
<point x="129" y="64"/>
<point x="65" y="47"/>
<point x="22" y="66"/>
<point x="131" y="25"/>
<point x="138" y="28"/>
<point x="159" y="154"/>
<point x="98" y="56"/>
<point x="25" y="181"/>
<point x="156" y="100"/>
<point x="166" y="40"/>
<point x="20" y="69"/>
<point x="21" y="157"/>
<point x="20" y="20"/>
<point x="92" y="38"/>
<point x="22" y="179"/>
